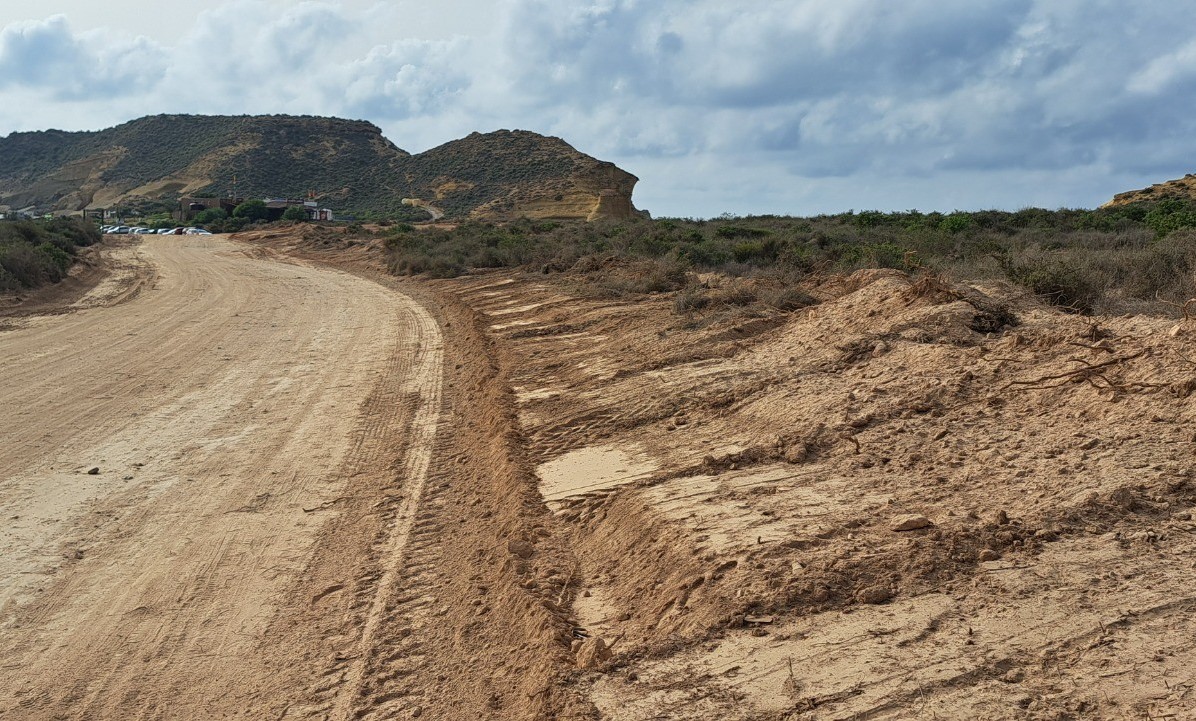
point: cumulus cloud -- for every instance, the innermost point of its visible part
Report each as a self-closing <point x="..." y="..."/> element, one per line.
<point x="46" y="54"/>
<point x="880" y="97"/>
<point x="404" y="79"/>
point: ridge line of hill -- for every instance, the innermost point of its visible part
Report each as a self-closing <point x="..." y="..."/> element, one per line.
<point x="349" y="165"/>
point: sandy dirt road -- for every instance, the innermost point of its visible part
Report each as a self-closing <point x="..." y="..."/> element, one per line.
<point x="231" y="403"/>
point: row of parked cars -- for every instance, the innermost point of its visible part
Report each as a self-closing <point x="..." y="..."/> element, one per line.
<point x="134" y="230"/>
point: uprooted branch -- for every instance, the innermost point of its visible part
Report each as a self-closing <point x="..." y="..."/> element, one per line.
<point x="1079" y="374"/>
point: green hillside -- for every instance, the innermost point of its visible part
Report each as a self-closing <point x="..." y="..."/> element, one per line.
<point x="348" y="164"/>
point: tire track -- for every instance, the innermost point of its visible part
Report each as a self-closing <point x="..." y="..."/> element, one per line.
<point x="424" y="386"/>
<point x="246" y="391"/>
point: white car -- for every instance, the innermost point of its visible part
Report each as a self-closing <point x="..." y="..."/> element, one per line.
<point x="196" y="231"/>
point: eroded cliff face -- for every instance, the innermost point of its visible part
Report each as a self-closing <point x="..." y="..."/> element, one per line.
<point x="596" y="190"/>
<point x="614" y="193"/>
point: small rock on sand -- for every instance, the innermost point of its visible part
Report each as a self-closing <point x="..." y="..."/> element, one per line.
<point x="93" y="471"/>
<point x="874" y="594"/>
<point x="592" y="654"/>
<point x="910" y="523"/>
<point x="522" y="549"/>
<point x="989" y="554"/>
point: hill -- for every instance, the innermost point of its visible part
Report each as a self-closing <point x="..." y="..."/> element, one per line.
<point x="348" y="164"/>
<point x="1179" y="189"/>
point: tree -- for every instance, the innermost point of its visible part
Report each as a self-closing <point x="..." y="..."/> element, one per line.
<point x="211" y="215"/>
<point x="294" y="213"/>
<point x="251" y="210"/>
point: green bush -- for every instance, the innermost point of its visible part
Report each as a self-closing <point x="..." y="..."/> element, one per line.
<point x="1169" y="216"/>
<point x="211" y="215"/>
<point x="33" y="253"/>
<point x="251" y="210"/>
<point x="294" y="213"/>
<point x="57" y="256"/>
<point x="956" y="223"/>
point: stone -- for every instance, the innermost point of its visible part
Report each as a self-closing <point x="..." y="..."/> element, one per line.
<point x="910" y="523"/>
<point x="989" y="554"/>
<point x="93" y="471"/>
<point x="593" y="654"/>
<point x="522" y="549"/>
<point x="874" y="594"/>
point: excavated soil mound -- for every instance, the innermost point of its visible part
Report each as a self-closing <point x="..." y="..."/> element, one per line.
<point x="913" y="498"/>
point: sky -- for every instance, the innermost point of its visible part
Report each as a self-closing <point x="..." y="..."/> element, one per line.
<point x="764" y="106"/>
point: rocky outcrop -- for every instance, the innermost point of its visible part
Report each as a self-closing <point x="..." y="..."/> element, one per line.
<point x="1180" y="189"/>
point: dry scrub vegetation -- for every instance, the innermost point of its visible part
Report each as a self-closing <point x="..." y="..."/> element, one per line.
<point x="1137" y="258"/>
<point x="34" y="253"/>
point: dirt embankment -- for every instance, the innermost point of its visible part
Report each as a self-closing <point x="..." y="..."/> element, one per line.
<point x="112" y="262"/>
<point x="910" y="499"/>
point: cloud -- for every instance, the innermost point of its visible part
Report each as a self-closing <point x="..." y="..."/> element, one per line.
<point x="1166" y="72"/>
<point x="798" y="94"/>
<point x="405" y="79"/>
<point x="46" y="54"/>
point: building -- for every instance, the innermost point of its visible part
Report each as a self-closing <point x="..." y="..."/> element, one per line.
<point x="189" y="207"/>
<point x="275" y="207"/>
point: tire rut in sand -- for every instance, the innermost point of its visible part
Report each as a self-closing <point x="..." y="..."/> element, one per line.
<point x="424" y="386"/>
<point x="362" y="564"/>
<point x="240" y="448"/>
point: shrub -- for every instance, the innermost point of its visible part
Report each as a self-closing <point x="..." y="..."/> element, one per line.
<point x="645" y="277"/>
<point x="211" y="215"/>
<point x="692" y="298"/>
<point x="251" y="210"/>
<point x="1085" y="260"/>
<point x="26" y="265"/>
<point x="1169" y="216"/>
<point x="1067" y="287"/>
<point x="955" y="223"/>
<point x="294" y="213"/>
<point x="57" y="256"/>
<point x="33" y="253"/>
<point x="786" y="298"/>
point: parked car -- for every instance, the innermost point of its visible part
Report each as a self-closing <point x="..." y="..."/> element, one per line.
<point x="119" y="230"/>
<point x="197" y="231"/>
